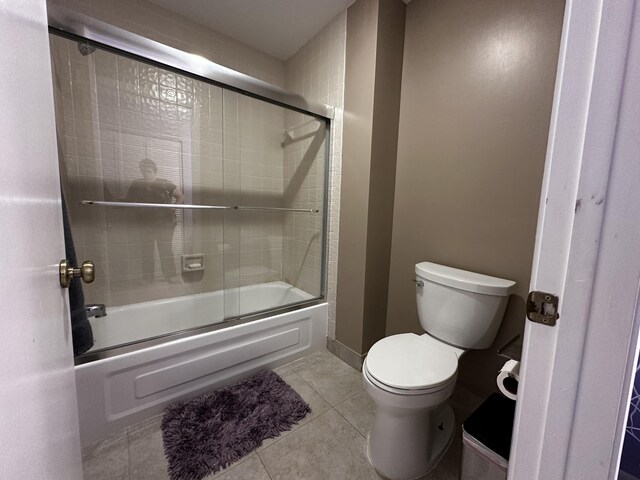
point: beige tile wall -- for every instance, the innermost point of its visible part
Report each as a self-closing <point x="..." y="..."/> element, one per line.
<point x="127" y="108"/>
<point x="253" y="160"/>
<point x="114" y="112"/>
<point x="317" y="72"/>
<point x="111" y="111"/>
<point x="304" y="171"/>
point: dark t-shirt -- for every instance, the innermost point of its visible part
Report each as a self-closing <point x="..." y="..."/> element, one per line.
<point x="158" y="191"/>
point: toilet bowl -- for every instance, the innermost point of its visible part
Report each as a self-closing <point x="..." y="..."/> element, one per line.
<point x="410" y="377"/>
<point x="411" y="408"/>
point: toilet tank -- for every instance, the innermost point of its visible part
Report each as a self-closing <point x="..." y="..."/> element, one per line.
<point x="462" y="308"/>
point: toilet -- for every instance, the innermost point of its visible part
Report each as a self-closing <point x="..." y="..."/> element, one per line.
<point x="410" y="377"/>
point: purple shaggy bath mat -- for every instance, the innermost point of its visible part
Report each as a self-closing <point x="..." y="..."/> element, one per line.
<point x="209" y="432"/>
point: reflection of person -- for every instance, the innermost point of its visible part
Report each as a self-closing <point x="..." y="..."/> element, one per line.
<point x="156" y="224"/>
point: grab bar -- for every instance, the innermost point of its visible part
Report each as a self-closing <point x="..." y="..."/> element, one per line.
<point x="195" y="207"/>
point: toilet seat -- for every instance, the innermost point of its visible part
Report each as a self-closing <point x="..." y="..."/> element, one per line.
<point x="402" y="391"/>
<point x="410" y="364"/>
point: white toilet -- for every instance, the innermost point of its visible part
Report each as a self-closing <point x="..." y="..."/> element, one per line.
<point x="411" y="376"/>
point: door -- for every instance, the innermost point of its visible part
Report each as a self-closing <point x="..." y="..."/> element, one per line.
<point x="576" y="376"/>
<point x="39" y="436"/>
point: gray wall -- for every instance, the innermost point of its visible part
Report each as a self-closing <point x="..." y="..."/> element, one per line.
<point x="362" y="19"/>
<point x="477" y="90"/>
<point x="386" y="113"/>
<point x="373" y="68"/>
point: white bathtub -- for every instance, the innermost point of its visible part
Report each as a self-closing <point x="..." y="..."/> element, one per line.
<point x="118" y="391"/>
<point x="139" y="321"/>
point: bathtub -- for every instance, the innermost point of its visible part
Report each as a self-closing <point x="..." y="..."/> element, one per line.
<point x="140" y="321"/>
<point x="116" y="391"/>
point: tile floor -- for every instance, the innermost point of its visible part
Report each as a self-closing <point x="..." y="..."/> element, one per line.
<point x="328" y="444"/>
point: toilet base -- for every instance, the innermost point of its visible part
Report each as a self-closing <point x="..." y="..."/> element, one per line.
<point x="440" y="436"/>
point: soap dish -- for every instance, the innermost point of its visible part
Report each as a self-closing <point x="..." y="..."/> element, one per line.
<point x="193" y="262"/>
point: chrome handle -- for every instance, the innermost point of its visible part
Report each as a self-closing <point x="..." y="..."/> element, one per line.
<point x="195" y="207"/>
<point x="419" y="283"/>
<point x="67" y="273"/>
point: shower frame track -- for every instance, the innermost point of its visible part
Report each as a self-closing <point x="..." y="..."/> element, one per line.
<point x="88" y="30"/>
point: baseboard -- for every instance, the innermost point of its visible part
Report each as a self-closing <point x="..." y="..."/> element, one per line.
<point x="345" y="354"/>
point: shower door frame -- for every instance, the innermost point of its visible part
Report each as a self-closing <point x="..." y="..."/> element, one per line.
<point x="81" y="28"/>
<point x="76" y="26"/>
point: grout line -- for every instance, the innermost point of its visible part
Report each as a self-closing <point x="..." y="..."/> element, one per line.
<point x="128" y="454"/>
<point x="326" y="399"/>
<point x="264" y="466"/>
<point x="219" y="473"/>
<point x="282" y="437"/>
<point x="319" y="393"/>
<point x="288" y="432"/>
<point x="350" y="397"/>
<point x="311" y="387"/>
<point x="294" y="372"/>
<point x="354" y="427"/>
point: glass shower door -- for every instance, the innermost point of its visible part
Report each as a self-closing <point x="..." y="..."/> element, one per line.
<point x="139" y="146"/>
<point x="274" y="163"/>
<point x="198" y="204"/>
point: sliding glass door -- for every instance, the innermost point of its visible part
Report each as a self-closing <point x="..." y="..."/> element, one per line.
<point x="198" y="204"/>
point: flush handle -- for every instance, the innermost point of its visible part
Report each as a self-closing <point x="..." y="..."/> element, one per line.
<point x="419" y="283"/>
<point x="87" y="272"/>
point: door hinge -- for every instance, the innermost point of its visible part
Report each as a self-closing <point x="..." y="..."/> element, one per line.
<point x="542" y="307"/>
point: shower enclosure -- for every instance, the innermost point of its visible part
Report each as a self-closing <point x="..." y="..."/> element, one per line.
<point x="185" y="192"/>
<point x="200" y="195"/>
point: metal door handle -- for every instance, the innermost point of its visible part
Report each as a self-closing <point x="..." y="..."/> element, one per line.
<point x="67" y="273"/>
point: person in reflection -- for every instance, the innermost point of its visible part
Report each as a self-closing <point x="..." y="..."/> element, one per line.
<point x="156" y="225"/>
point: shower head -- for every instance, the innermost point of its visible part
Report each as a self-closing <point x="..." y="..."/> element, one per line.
<point x="85" y="48"/>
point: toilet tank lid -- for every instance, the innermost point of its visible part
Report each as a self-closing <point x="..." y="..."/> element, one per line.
<point x="464" y="280"/>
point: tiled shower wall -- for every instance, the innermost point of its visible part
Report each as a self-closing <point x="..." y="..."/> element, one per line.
<point x="253" y="160"/>
<point x="304" y="169"/>
<point x="317" y="72"/>
<point x="102" y="126"/>
<point x="112" y="113"/>
<point x="189" y="153"/>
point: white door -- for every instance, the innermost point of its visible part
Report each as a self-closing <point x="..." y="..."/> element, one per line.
<point x="39" y="437"/>
<point x="574" y="393"/>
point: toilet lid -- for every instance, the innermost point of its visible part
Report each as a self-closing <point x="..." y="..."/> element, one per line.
<point x="412" y="362"/>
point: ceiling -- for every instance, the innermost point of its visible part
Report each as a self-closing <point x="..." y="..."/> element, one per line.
<point x="277" y="27"/>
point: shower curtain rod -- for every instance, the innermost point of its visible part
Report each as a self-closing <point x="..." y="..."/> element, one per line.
<point x="193" y="207"/>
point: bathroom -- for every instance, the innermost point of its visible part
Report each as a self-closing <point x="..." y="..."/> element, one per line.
<point x="396" y="133"/>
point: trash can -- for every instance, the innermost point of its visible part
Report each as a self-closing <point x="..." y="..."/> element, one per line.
<point x="486" y="440"/>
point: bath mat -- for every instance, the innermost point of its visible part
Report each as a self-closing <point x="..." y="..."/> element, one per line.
<point x="209" y="432"/>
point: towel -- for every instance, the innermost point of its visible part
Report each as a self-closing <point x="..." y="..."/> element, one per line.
<point x="80" y="326"/>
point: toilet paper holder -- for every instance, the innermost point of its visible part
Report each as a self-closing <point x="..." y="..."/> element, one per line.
<point x="512" y="350"/>
<point x="508" y="375"/>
